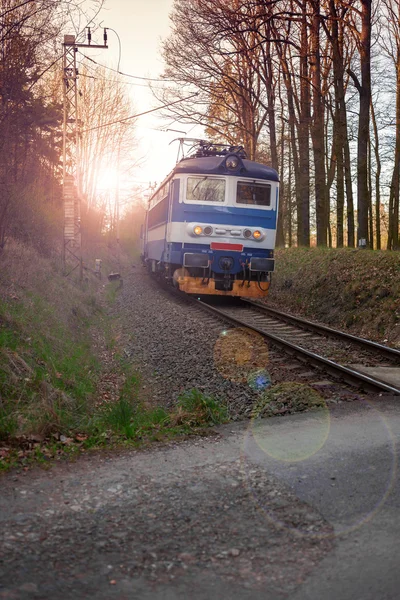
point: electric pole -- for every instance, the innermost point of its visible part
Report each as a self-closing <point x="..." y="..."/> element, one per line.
<point x="71" y="150"/>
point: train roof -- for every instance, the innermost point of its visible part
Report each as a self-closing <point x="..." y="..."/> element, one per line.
<point x="216" y="165"/>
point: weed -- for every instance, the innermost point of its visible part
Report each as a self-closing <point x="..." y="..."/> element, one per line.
<point x="287" y="398"/>
<point x="8" y="424"/>
<point x="111" y="291"/>
<point x="196" y="409"/>
<point x="133" y="420"/>
<point x="49" y="371"/>
<point x="119" y="417"/>
<point x="148" y="419"/>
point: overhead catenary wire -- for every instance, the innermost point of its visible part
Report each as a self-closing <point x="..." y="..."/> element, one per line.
<point x="139" y="114"/>
<point x="124" y="82"/>
<point x="126" y="74"/>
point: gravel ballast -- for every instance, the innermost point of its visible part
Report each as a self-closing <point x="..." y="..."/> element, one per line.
<point x="177" y="348"/>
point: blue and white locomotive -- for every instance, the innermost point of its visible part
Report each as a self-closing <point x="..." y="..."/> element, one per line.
<point x="210" y="227"/>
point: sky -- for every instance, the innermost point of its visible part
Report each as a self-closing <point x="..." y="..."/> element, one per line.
<point x="141" y="25"/>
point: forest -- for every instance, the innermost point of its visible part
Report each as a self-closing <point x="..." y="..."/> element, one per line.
<point x="31" y="124"/>
<point x="311" y="87"/>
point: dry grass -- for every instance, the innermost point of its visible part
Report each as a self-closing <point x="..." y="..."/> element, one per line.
<point x="47" y="367"/>
<point x="287" y="398"/>
<point x="357" y="290"/>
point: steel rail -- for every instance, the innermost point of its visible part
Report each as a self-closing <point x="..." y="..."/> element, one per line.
<point x="390" y="353"/>
<point x="348" y="375"/>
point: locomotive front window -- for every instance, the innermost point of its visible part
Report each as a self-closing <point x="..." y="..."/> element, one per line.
<point x="203" y="189"/>
<point x="256" y="194"/>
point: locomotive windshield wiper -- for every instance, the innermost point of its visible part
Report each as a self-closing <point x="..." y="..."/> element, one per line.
<point x="197" y="184"/>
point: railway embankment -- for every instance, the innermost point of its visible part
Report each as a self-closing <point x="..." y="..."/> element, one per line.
<point x="287" y="507"/>
<point x="97" y="363"/>
<point x="354" y="290"/>
<point x="68" y="381"/>
<point x="54" y="340"/>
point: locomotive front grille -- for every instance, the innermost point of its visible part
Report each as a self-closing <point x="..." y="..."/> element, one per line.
<point x="262" y="264"/>
<point x="195" y="260"/>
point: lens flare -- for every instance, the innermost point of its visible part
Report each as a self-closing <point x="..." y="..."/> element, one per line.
<point x="259" y="380"/>
<point x="287" y="398"/>
<point x="302" y="438"/>
<point x="239" y="354"/>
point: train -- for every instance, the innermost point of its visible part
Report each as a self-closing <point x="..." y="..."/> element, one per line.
<point x="210" y="227"/>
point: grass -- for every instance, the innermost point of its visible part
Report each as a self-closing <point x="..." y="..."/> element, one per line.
<point x="357" y="290"/>
<point x="195" y="409"/>
<point x="111" y="291"/>
<point x="126" y="422"/>
<point x="287" y="398"/>
<point x="50" y="371"/>
<point x="134" y="422"/>
<point x="129" y="419"/>
<point x="47" y="373"/>
<point x="8" y="424"/>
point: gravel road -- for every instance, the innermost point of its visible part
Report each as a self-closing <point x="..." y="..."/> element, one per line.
<point x="107" y="527"/>
<point x="222" y="517"/>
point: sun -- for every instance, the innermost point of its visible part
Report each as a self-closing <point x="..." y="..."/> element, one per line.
<point x="108" y="179"/>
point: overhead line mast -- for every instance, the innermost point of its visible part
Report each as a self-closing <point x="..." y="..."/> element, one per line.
<point x="71" y="149"/>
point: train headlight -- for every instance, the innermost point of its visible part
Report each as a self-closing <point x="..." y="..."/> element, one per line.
<point x="232" y="163"/>
<point x="198" y="230"/>
<point x="257" y="234"/>
<point x="247" y="233"/>
<point x="208" y="230"/>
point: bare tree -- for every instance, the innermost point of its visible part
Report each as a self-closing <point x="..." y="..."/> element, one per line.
<point x="292" y="81"/>
<point x="108" y="141"/>
<point x="363" y="18"/>
<point x="393" y="48"/>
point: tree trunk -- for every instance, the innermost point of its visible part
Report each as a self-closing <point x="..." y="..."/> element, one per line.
<point x="393" y="232"/>
<point x="317" y="129"/>
<point x="363" y="123"/>
<point x="289" y="195"/>
<point x="283" y="204"/>
<point x="280" y="238"/>
<point x="303" y="212"/>
<point x="293" y="140"/>
<point x="340" y="199"/>
<point x="377" y="181"/>
<point x="370" y="211"/>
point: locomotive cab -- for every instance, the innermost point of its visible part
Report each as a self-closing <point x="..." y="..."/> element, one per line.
<point x="210" y="228"/>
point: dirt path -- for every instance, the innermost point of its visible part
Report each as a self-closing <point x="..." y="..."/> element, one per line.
<point x="191" y="520"/>
<point x="227" y="517"/>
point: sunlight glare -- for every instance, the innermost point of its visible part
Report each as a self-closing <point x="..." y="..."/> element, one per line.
<point x="108" y="179"/>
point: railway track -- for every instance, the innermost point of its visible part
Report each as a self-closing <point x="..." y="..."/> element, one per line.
<point x="278" y="317"/>
<point x="314" y="344"/>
